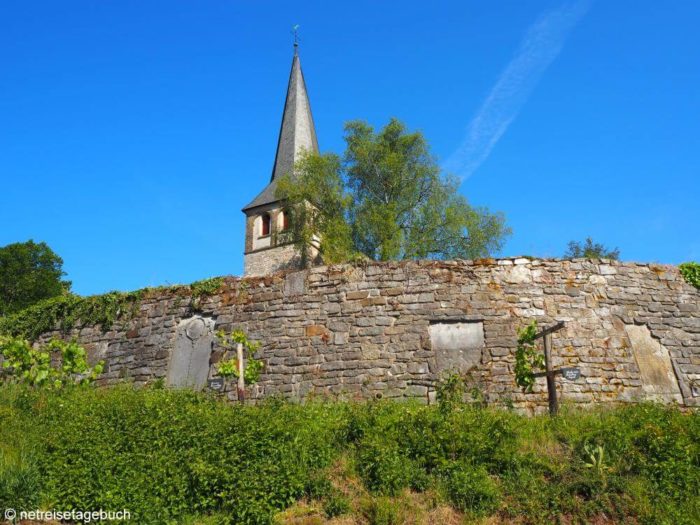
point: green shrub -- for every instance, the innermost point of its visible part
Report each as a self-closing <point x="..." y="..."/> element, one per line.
<point x="20" y="477"/>
<point x="163" y="453"/>
<point x="470" y="489"/>
<point x="318" y="486"/>
<point x="657" y="442"/>
<point x="172" y="456"/>
<point x="336" y="504"/>
<point x="691" y="273"/>
<point x="20" y="481"/>
<point x="398" y="445"/>
<point x="450" y="391"/>
<point x="383" y="510"/>
<point x="384" y="468"/>
<point x="212" y="519"/>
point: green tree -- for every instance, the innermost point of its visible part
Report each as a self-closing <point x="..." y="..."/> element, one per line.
<point x="317" y="204"/>
<point x="691" y="273"/>
<point x="386" y="199"/>
<point x="590" y="250"/>
<point x="29" y="272"/>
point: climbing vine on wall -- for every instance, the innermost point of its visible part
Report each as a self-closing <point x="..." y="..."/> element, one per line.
<point x="229" y="367"/>
<point x="22" y="363"/>
<point x="691" y="273"/>
<point x="527" y="358"/>
<point x="204" y="288"/>
<point x="69" y="311"/>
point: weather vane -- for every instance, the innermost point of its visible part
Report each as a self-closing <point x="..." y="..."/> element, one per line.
<point x="295" y="31"/>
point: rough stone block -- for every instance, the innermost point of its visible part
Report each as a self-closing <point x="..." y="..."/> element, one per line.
<point x="457" y="346"/>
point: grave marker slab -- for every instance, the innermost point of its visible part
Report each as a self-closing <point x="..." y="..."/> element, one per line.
<point x="189" y="363"/>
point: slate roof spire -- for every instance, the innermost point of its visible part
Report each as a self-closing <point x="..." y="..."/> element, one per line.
<point x="297" y="132"/>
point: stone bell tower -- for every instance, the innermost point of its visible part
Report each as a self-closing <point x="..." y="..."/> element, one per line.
<point x="266" y="252"/>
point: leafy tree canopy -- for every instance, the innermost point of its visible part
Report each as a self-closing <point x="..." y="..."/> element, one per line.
<point x="29" y="273"/>
<point x="691" y="273"/>
<point x="590" y="250"/>
<point x="385" y="199"/>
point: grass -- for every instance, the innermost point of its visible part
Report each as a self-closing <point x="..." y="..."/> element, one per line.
<point x="176" y="457"/>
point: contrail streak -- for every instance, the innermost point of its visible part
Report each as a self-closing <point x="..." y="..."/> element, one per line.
<point x="539" y="48"/>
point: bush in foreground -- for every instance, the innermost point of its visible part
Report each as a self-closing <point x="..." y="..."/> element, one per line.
<point x="179" y="457"/>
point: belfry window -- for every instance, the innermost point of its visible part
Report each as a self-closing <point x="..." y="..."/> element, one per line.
<point x="265" y="224"/>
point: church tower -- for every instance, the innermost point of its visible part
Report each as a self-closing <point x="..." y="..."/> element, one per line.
<point x="266" y="252"/>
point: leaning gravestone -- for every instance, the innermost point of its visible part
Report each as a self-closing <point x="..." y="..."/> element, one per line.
<point x="189" y="363"/>
<point x="659" y="382"/>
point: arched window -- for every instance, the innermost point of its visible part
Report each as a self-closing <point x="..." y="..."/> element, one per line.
<point x="285" y="220"/>
<point x="265" y="224"/>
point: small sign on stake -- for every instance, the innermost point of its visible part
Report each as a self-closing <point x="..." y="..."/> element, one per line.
<point x="572" y="374"/>
<point x="216" y="384"/>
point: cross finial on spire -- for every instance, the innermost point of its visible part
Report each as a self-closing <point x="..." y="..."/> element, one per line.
<point x="297" y="133"/>
<point x="295" y="31"/>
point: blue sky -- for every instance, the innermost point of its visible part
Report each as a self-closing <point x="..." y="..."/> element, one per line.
<point x="132" y="132"/>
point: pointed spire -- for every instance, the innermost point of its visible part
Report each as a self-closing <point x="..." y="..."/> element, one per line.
<point x="297" y="132"/>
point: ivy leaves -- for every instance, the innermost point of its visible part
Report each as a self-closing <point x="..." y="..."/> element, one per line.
<point x="32" y="366"/>
<point x="251" y="371"/>
<point x="229" y="367"/>
<point x="527" y="358"/>
<point x="67" y="311"/>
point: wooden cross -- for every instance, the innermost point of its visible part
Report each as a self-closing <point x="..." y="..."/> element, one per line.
<point x="546" y="334"/>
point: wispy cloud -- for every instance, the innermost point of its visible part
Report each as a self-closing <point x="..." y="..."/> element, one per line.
<point x="539" y="48"/>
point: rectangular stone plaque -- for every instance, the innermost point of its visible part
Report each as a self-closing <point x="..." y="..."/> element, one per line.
<point x="457" y="346"/>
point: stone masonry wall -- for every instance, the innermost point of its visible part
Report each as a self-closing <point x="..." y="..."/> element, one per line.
<point x="269" y="260"/>
<point x="391" y="329"/>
